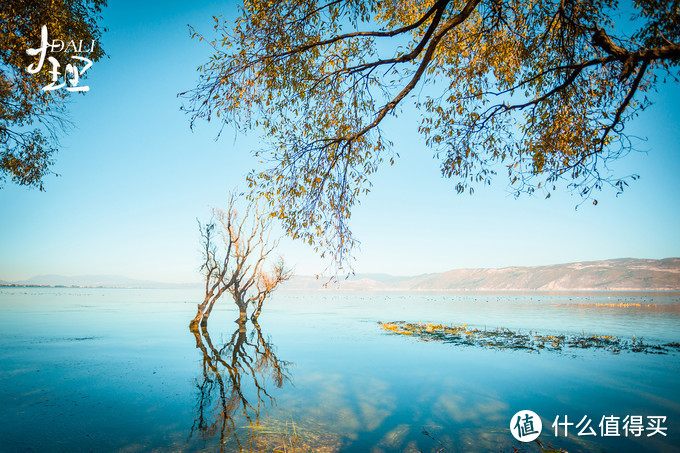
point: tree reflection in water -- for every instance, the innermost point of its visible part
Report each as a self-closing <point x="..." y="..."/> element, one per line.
<point x="232" y="391"/>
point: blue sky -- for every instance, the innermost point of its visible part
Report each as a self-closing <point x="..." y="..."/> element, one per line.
<point x="133" y="179"/>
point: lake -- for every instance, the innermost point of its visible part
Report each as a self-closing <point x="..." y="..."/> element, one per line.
<point x="118" y="370"/>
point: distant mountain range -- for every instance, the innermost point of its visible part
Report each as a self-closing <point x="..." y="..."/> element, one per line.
<point x="618" y="274"/>
<point x="94" y="281"/>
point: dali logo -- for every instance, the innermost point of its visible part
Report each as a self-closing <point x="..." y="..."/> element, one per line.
<point x="73" y="71"/>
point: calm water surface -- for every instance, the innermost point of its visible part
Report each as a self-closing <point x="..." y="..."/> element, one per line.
<point x="119" y="370"/>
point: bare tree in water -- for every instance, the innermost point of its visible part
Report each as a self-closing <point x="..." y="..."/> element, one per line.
<point x="236" y="250"/>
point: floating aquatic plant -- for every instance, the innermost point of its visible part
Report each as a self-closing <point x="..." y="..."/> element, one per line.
<point x="502" y="338"/>
<point x="619" y="305"/>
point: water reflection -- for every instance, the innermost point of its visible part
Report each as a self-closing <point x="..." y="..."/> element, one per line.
<point x="234" y="389"/>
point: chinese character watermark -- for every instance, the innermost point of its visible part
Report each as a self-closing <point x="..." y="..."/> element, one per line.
<point x="526" y="426"/>
<point x="613" y="426"/>
<point x="72" y="73"/>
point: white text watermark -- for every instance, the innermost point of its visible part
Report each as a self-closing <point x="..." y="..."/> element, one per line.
<point x="526" y="426"/>
<point x="72" y="72"/>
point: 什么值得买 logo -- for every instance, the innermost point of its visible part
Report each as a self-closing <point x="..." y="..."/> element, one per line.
<point x="72" y="72"/>
<point x="526" y="426"/>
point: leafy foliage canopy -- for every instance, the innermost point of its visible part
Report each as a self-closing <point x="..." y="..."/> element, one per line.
<point x="538" y="89"/>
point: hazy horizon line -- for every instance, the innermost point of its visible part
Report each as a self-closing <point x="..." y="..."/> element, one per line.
<point x="26" y="281"/>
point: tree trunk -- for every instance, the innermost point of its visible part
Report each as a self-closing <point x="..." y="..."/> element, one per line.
<point x="242" y="316"/>
<point x="242" y="305"/>
<point x="256" y="313"/>
<point x="206" y="314"/>
<point x="193" y="325"/>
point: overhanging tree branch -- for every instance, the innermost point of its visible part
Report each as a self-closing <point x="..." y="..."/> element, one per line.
<point x="543" y="89"/>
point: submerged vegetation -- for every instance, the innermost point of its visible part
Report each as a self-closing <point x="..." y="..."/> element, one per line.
<point x="502" y="338"/>
<point x="619" y="305"/>
<point x="535" y="446"/>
